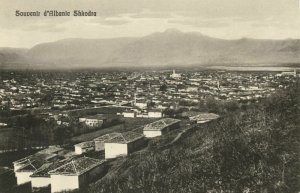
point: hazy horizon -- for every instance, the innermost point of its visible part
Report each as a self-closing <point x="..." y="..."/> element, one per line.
<point x="87" y="38"/>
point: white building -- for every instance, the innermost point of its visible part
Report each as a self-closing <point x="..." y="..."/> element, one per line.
<point x="123" y="144"/>
<point x="155" y="113"/>
<point x="130" y="114"/>
<point x="75" y="174"/>
<point x="84" y="147"/>
<point x="160" y="127"/>
<point x="99" y="141"/>
<point x="47" y="154"/>
<point x="93" y="121"/>
<point x="41" y="178"/>
<point x="175" y="75"/>
<point x="141" y="104"/>
<point x="23" y="173"/>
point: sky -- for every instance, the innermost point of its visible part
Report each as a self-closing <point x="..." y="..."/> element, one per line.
<point x="227" y="19"/>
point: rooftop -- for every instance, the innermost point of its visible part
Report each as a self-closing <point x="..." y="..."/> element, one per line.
<point x="106" y="137"/>
<point x="161" y="124"/>
<point x="36" y="156"/>
<point x="76" y="166"/>
<point x="51" y="149"/>
<point x="100" y="116"/>
<point x="205" y="116"/>
<point x="31" y="165"/>
<point x="126" y="137"/>
<point x="44" y="169"/>
<point x="86" y="144"/>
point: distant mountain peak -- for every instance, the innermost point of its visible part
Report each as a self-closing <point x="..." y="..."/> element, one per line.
<point x="173" y="31"/>
<point x="167" y="48"/>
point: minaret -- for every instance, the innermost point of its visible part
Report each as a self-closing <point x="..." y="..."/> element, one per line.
<point x="134" y="98"/>
<point x="174" y="71"/>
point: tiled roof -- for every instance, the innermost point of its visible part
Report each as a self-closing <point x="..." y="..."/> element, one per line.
<point x="161" y="124"/>
<point x="126" y="137"/>
<point x="31" y="165"/>
<point x="51" y="149"/>
<point x="86" y="144"/>
<point x="106" y="137"/>
<point x="77" y="166"/>
<point x="44" y="154"/>
<point x="205" y="117"/>
<point x="36" y="156"/>
<point x="44" y="169"/>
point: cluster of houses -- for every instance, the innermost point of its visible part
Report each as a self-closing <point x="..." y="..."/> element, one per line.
<point x="122" y="144"/>
<point x="159" y="88"/>
<point x="54" y="166"/>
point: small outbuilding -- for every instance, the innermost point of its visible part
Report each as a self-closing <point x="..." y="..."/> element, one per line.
<point x="23" y="173"/>
<point x="203" y="117"/>
<point x="155" y="113"/>
<point x="129" y="114"/>
<point x="99" y="141"/>
<point x="41" y="178"/>
<point x="42" y="155"/>
<point x="160" y="127"/>
<point x="84" y="147"/>
<point x="123" y="144"/>
<point x="75" y="174"/>
<point x="94" y="121"/>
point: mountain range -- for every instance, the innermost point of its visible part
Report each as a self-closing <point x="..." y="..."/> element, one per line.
<point x="171" y="48"/>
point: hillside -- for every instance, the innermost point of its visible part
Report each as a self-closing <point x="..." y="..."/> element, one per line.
<point x="163" y="49"/>
<point x="76" y="52"/>
<point x="250" y="150"/>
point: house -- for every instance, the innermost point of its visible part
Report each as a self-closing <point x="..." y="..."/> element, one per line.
<point x="75" y="174"/>
<point x="23" y="173"/>
<point x="131" y="114"/>
<point x="160" y="127"/>
<point x="123" y="144"/>
<point x="99" y="141"/>
<point x="94" y="121"/>
<point x="141" y="104"/>
<point x="203" y="117"/>
<point x="47" y="154"/>
<point x="24" y="167"/>
<point x="84" y="147"/>
<point x="41" y="178"/>
<point x="155" y="113"/>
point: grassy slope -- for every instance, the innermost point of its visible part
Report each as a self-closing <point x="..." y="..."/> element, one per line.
<point x="254" y="149"/>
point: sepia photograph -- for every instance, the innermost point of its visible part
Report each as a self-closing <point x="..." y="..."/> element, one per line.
<point x="149" y="96"/>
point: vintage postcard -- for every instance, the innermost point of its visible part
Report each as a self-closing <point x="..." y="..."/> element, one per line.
<point x="149" y="96"/>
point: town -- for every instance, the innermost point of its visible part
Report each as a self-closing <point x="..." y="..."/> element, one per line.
<point x="73" y="125"/>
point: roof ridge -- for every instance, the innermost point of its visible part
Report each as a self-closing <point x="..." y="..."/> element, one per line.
<point x="124" y="138"/>
<point x="31" y="164"/>
<point x="74" y="167"/>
